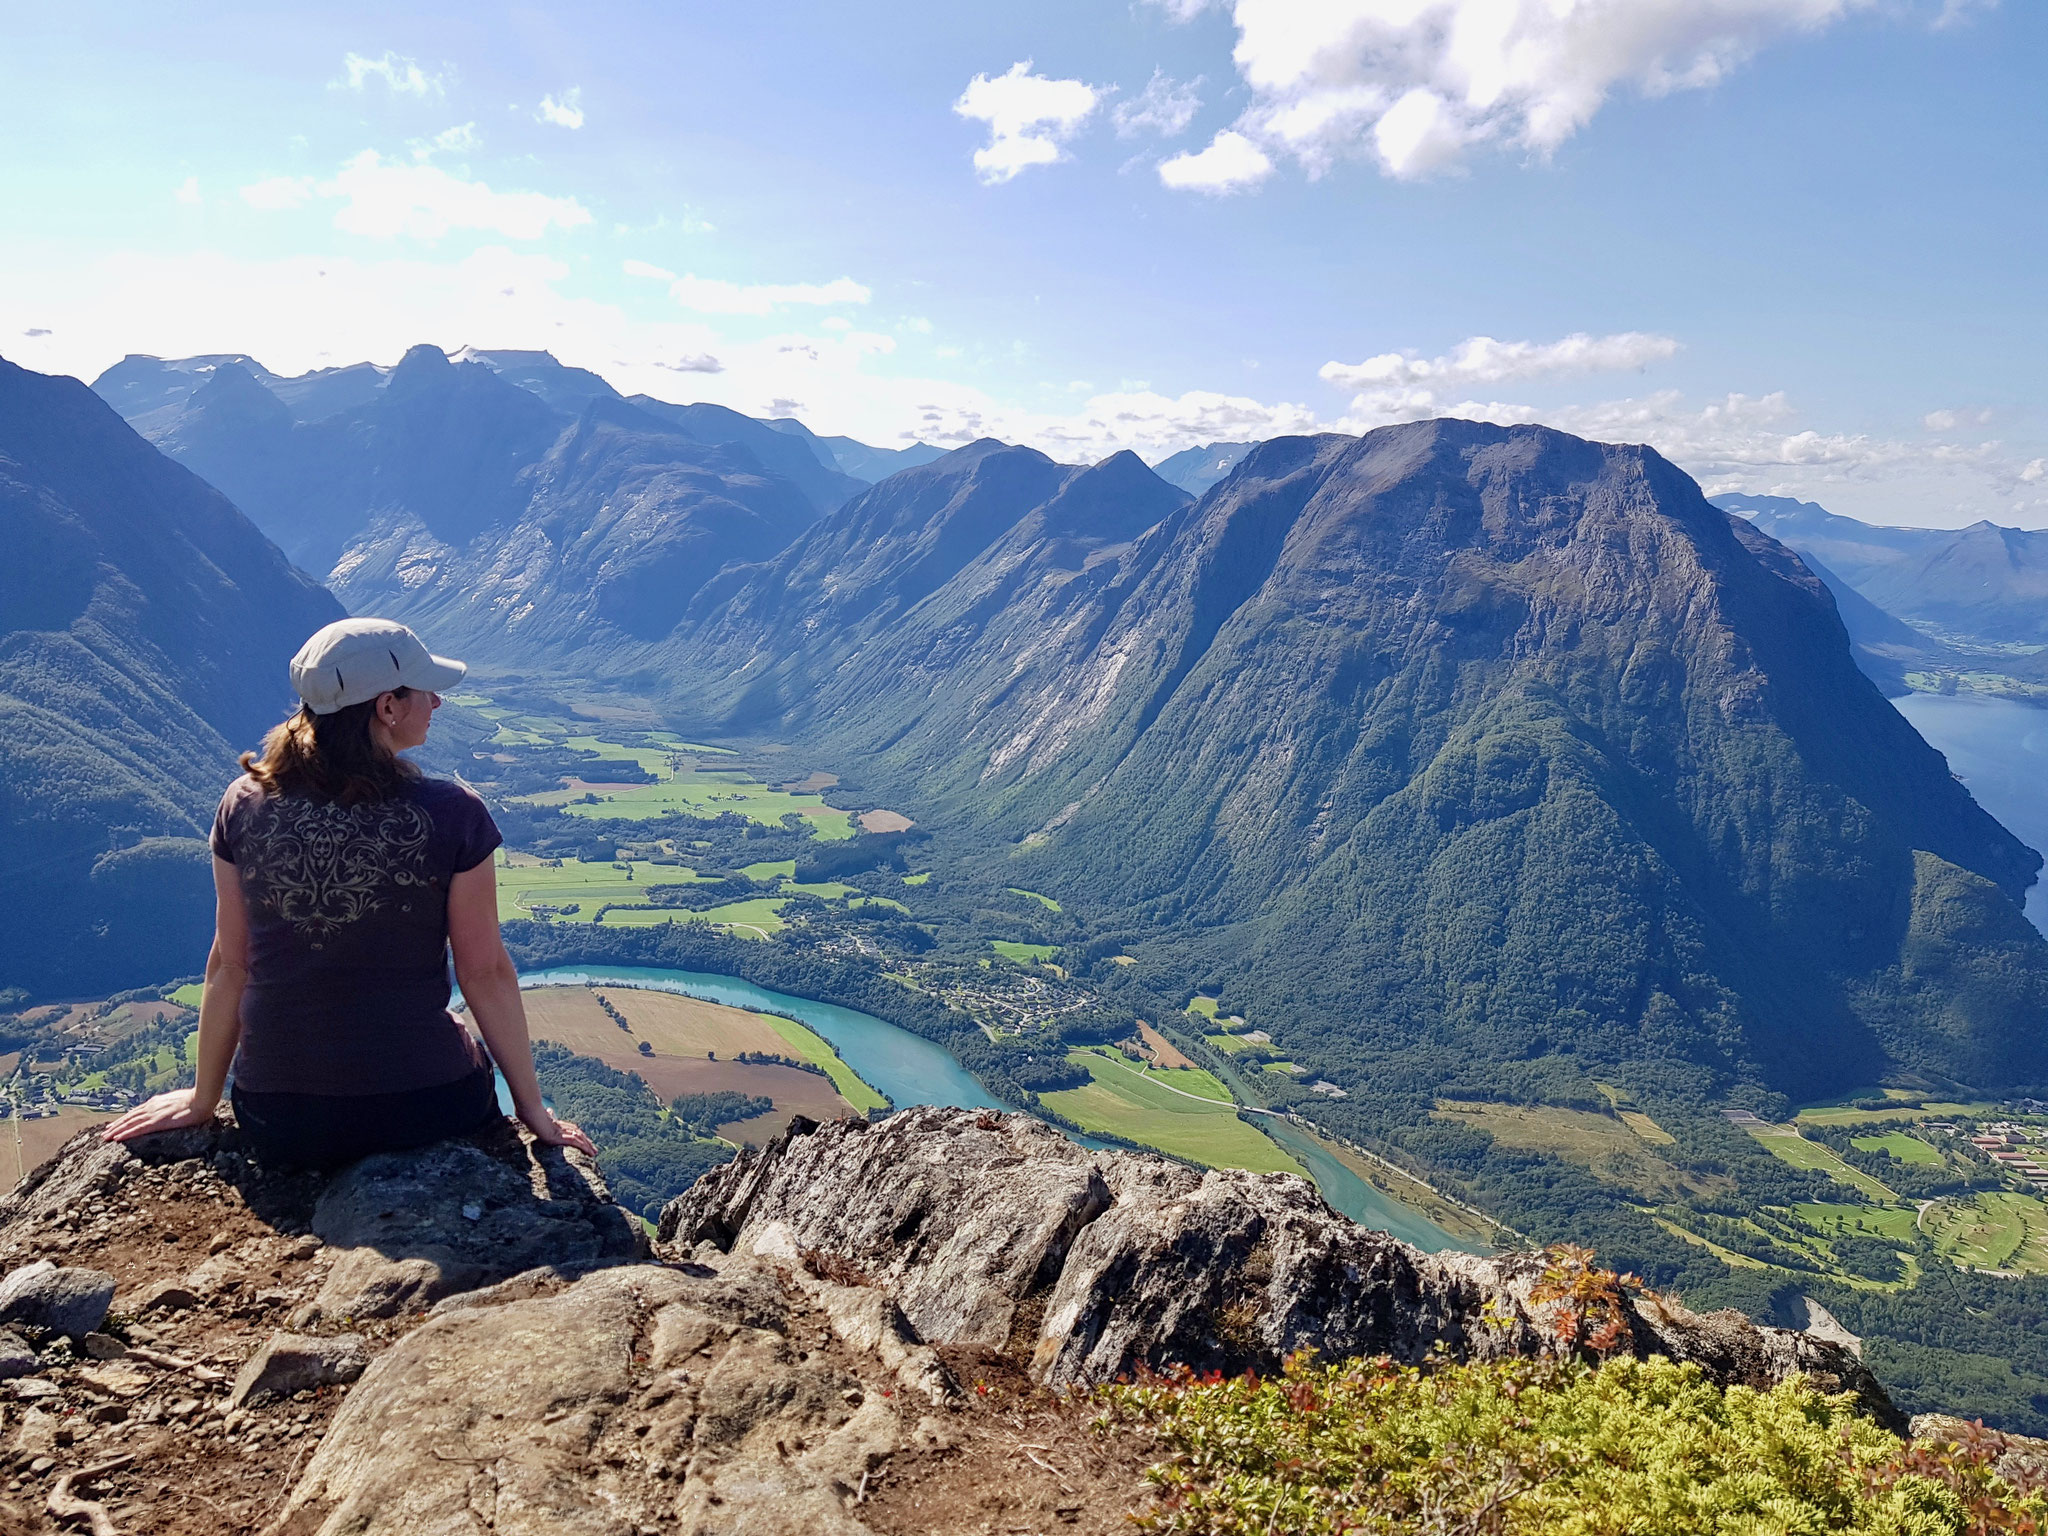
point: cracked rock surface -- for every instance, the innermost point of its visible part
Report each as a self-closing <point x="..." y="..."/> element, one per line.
<point x="996" y="1226"/>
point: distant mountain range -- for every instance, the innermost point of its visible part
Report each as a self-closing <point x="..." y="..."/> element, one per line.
<point x="1505" y="749"/>
<point x="144" y="629"/>
<point x="1978" y="587"/>
<point x="1194" y="470"/>
<point x="1472" y="755"/>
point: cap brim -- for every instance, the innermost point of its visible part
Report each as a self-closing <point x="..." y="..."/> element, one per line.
<point x="439" y="675"/>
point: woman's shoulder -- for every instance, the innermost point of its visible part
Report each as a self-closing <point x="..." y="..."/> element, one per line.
<point x="447" y="799"/>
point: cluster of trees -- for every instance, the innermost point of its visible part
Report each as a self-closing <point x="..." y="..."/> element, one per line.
<point x="703" y="1113"/>
<point x="648" y="1157"/>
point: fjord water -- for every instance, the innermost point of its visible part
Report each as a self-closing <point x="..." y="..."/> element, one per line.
<point x="911" y="1070"/>
<point x="1999" y="749"/>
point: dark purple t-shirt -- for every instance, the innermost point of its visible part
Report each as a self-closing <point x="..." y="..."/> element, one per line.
<point x="348" y="935"/>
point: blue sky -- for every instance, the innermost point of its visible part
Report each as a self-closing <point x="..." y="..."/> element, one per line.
<point x="1796" y="244"/>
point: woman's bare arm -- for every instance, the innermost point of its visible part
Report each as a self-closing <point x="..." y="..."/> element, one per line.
<point x="490" y="985"/>
<point x="220" y="1020"/>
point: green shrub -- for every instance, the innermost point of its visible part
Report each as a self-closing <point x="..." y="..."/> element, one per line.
<point x="1546" y="1448"/>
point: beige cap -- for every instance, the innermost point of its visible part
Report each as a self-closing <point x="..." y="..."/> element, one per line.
<point x="351" y="661"/>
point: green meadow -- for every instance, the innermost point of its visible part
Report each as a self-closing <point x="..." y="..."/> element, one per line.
<point x="1145" y="1107"/>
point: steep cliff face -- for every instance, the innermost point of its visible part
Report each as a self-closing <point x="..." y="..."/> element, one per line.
<point x="620" y="523"/>
<point x="144" y="631"/>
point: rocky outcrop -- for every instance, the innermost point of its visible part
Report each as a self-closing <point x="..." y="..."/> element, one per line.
<point x="996" y="1231"/>
<point x="858" y="1329"/>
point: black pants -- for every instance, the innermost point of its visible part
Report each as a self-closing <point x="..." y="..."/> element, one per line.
<point x="315" y="1130"/>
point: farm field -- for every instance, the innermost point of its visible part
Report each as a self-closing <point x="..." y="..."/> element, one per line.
<point x="1993" y="1231"/>
<point x="40" y="1139"/>
<point x="1889" y="1223"/>
<point x="1842" y="1114"/>
<point x="684" y="1032"/>
<point x="525" y="882"/>
<point x="1786" y="1144"/>
<point x="1023" y="954"/>
<point x="1606" y="1146"/>
<point x="1907" y="1149"/>
<point x="1045" y="901"/>
<point x="1164" y="1052"/>
<point x="1141" y="1107"/>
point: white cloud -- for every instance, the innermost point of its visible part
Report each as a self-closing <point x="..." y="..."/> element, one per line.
<point x="699" y="362"/>
<point x="1231" y="163"/>
<point x="1166" y="106"/>
<point x="188" y="192"/>
<point x="1949" y="420"/>
<point x="462" y="139"/>
<point x="279" y="192"/>
<point x="403" y="76"/>
<point x="2035" y="472"/>
<point x="714" y="296"/>
<point x="1028" y="116"/>
<point x="565" y="112"/>
<point x="1404" y="377"/>
<point x="384" y="199"/>
<point x="636" y="268"/>
<point x="1416" y="84"/>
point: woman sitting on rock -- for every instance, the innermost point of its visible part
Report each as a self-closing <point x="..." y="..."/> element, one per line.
<point x="343" y="877"/>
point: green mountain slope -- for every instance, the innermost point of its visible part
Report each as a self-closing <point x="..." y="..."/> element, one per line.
<point x="144" y="631"/>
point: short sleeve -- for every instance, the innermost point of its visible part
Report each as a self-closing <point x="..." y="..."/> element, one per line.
<point x="223" y="838"/>
<point x="476" y="835"/>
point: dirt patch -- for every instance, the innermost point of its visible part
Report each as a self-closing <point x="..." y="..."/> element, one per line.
<point x="817" y="783"/>
<point x="1164" y="1052"/>
<point x="885" y="821"/>
<point x="1010" y="1457"/>
<point x="674" y="1026"/>
<point x="190" y="1471"/>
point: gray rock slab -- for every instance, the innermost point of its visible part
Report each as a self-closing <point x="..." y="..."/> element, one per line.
<point x="72" y="1302"/>
<point x="16" y="1357"/>
<point x="638" y="1398"/>
<point x="402" y="1242"/>
<point x="298" y="1362"/>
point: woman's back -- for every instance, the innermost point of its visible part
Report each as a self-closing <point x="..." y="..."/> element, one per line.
<point x="348" y="932"/>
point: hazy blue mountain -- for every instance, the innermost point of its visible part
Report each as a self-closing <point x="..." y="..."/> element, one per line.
<point x="774" y="451"/>
<point x="858" y="459"/>
<point x="144" y="629"/>
<point x="1194" y="470"/>
<point x="1984" y="584"/>
<point x="1479" y="754"/>
<point x="623" y="519"/>
<point x="957" y="541"/>
<point x="565" y="388"/>
<point x="139" y="385"/>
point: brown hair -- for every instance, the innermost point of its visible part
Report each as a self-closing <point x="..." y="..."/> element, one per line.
<point x="329" y="757"/>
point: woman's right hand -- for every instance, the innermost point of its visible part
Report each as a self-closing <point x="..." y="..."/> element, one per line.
<point x="171" y="1111"/>
<point x="550" y="1132"/>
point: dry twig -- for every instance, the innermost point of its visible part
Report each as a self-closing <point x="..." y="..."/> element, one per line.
<point x="64" y="1505"/>
<point x="170" y="1362"/>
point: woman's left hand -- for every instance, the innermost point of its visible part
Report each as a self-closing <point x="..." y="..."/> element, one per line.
<point x="171" y="1111"/>
<point x="550" y="1132"/>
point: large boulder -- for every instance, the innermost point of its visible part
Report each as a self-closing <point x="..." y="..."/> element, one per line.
<point x="1091" y="1264"/>
<point x="43" y="1296"/>
<point x="639" y="1398"/>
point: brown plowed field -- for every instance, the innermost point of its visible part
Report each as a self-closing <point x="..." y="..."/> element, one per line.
<point x="684" y="1031"/>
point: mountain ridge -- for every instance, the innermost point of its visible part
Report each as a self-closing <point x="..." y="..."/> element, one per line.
<point x="146" y="629"/>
